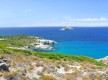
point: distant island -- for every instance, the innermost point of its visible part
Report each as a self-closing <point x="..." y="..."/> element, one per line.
<point x="67" y="28"/>
<point x="19" y="61"/>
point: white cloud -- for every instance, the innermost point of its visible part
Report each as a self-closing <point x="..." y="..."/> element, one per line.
<point x="86" y="19"/>
<point x="102" y="21"/>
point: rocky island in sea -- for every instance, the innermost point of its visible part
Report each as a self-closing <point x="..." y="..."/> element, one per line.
<point x="19" y="61"/>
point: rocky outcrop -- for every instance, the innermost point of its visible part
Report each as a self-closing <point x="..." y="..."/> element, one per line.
<point x="3" y="64"/>
<point x="4" y="67"/>
<point x="42" y="44"/>
<point x="103" y="60"/>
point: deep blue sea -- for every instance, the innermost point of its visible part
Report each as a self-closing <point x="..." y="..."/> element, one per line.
<point x="92" y="42"/>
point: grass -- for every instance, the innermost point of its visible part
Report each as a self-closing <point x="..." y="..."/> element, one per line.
<point x="21" y="40"/>
<point x="69" y="58"/>
<point x="54" y="56"/>
<point x="16" y="41"/>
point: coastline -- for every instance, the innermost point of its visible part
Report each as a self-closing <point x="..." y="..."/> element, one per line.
<point x="28" y="64"/>
<point x="78" y="34"/>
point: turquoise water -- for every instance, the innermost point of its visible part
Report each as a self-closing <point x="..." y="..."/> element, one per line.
<point x="92" y="41"/>
<point x="91" y="49"/>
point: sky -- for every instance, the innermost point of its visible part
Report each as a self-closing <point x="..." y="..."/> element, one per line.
<point x="27" y="13"/>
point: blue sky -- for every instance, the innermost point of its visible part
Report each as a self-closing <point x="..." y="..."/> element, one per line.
<point x="22" y="13"/>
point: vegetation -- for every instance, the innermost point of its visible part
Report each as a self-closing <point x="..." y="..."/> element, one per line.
<point x="53" y="56"/>
<point x="21" y="40"/>
<point x="16" y="41"/>
<point x="43" y="65"/>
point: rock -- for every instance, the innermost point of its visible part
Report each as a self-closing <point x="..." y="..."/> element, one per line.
<point x="24" y="71"/>
<point x="39" y="73"/>
<point x="104" y="60"/>
<point x="19" y="65"/>
<point x="1" y="61"/>
<point x="6" y="60"/>
<point x="4" y="67"/>
<point x="10" y="77"/>
<point x="18" y="76"/>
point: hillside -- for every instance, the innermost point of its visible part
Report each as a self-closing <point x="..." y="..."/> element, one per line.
<point x="20" y="63"/>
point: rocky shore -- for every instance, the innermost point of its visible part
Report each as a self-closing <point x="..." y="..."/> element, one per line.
<point x="104" y="60"/>
<point x="43" y="44"/>
<point x="35" y="43"/>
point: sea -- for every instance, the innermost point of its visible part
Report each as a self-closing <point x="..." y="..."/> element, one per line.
<point x="81" y="41"/>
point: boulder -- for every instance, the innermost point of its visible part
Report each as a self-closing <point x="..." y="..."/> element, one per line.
<point x="4" y="67"/>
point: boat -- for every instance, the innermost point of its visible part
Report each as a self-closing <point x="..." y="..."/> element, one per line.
<point x="66" y="28"/>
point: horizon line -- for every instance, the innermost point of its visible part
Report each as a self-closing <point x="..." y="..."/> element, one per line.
<point x="48" y="26"/>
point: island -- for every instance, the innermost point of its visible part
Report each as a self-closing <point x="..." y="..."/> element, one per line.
<point x="67" y="28"/>
<point x="19" y="61"/>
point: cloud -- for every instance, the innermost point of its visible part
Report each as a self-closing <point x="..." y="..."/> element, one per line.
<point x="91" y="19"/>
<point x="79" y="19"/>
<point x="102" y="21"/>
<point x="86" y="19"/>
